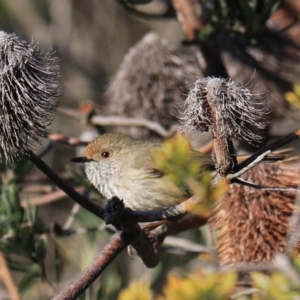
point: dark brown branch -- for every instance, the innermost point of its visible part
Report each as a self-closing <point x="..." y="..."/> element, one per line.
<point x="85" y="203"/>
<point x="259" y="155"/>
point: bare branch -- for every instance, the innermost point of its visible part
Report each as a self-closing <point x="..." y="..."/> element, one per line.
<point x="48" y="198"/>
<point x="119" y="121"/>
<point x="140" y="122"/>
<point x="183" y="244"/>
<point x="7" y="279"/>
<point x="264" y="188"/>
<point x="57" y="137"/>
<point x="259" y="155"/>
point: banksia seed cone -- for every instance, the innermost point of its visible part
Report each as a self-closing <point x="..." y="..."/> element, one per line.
<point x="231" y="111"/>
<point x="29" y="91"/>
<point x="227" y="107"/>
<point x="251" y="225"/>
<point x="150" y="83"/>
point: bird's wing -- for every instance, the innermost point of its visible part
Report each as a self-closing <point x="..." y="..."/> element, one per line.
<point x="154" y="173"/>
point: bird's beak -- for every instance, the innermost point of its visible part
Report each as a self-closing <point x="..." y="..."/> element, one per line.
<point x="81" y="159"/>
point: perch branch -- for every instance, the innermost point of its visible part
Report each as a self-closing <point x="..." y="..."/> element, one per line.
<point x="85" y="203"/>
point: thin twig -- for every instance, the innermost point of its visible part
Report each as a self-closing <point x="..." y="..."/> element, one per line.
<point x="7" y="279"/>
<point x="264" y="188"/>
<point x="63" y="139"/>
<point x="121" y="121"/>
<point x="140" y="122"/>
<point x="42" y="177"/>
<point x="75" y="210"/>
<point x="48" y="198"/>
<point x="259" y="155"/>
<point x="183" y="244"/>
<point x="37" y="188"/>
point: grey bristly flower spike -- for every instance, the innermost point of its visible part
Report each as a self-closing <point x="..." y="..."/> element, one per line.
<point x="231" y="111"/>
<point x="28" y="93"/>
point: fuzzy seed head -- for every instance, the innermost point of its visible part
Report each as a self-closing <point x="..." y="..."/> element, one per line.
<point x="150" y="83"/>
<point x="229" y="109"/>
<point x="29" y="92"/>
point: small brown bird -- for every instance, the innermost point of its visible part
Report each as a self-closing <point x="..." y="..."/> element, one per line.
<point x="118" y="165"/>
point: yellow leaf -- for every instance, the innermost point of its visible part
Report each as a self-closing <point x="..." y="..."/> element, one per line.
<point x="137" y="290"/>
<point x="294" y="97"/>
<point x="217" y="286"/>
<point x="297" y="89"/>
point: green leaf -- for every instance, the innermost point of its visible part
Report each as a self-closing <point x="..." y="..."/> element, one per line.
<point x="209" y="32"/>
<point x="41" y="244"/>
<point x="33" y="273"/>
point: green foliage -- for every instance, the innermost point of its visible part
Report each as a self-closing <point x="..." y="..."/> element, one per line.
<point x="283" y="283"/>
<point x="183" y="166"/>
<point x="137" y="290"/>
<point x="238" y="16"/>
<point x="178" y="161"/>
<point x="19" y="235"/>
<point x="199" y="286"/>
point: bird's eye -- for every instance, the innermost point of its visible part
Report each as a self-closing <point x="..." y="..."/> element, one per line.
<point x="105" y="154"/>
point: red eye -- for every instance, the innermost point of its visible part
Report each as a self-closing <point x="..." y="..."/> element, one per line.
<point x="105" y="154"/>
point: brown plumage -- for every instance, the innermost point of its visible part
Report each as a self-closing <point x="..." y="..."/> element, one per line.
<point x="252" y="225"/>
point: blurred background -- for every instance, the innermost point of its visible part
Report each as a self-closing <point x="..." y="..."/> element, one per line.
<point x="91" y="39"/>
